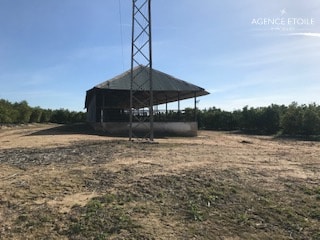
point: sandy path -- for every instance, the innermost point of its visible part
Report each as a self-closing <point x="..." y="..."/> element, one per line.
<point x="37" y="136"/>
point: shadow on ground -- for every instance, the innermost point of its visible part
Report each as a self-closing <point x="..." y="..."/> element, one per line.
<point x="64" y="129"/>
<point x="87" y="129"/>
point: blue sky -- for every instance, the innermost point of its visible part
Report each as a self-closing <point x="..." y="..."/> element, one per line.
<point x="51" y="52"/>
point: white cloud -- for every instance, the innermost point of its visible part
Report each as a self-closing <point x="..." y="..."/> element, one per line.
<point x="307" y="34"/>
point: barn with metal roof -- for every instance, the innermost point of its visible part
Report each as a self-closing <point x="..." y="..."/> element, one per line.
<point x="109" y="101"/>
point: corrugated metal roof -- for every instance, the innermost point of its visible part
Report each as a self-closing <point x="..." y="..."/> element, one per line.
<point x="166" y="88"/>
<point x="161" y="81"/>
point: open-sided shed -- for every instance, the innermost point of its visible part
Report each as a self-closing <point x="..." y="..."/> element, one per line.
<point x="109" y="101"/>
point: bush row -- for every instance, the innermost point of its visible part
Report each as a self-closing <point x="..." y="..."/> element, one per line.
<point x="21" y="112"/>
<point x="289" y="120"/>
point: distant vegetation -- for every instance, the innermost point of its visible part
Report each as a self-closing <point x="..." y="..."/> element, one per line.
<point x="292" y="120"/>
<point x="21" y="112"/>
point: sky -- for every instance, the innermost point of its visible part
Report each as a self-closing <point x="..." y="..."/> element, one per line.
<point x="245" y="53"/>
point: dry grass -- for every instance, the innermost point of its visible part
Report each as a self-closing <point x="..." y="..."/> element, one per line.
<point x="63" y="184"/>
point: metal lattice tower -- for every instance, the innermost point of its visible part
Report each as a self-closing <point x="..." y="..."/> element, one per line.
<point x="141" y="92"/>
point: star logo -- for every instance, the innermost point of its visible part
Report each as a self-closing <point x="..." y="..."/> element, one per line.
<point x="283" y="12"/>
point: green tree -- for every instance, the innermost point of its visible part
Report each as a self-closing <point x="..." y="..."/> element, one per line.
<point x="216" y="119"/>
<point x="250" y="119"/>
<point x="311" y="121"/>
<point x="24" y="112"/>
<point x="36" y="115"/>
<point x="79" y="117"/>
<point x="270" y="119"/>
<point x="291" y="121"/>
<point x="5" y="110"/>
<point x="46" y="115"/>
<point x="60" y="116"/>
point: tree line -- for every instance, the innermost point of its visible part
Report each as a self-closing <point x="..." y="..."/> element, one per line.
<point x="21" y="113"/>
<point x="297" y="120"/>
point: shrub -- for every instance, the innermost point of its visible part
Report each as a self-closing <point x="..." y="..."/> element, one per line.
<point x="311" y="121"/>
<point x="291" y="121"/>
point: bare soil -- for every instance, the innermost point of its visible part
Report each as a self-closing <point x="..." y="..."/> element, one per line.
<point x="66" y="182"/>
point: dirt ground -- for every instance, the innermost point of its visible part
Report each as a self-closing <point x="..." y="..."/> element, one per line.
<point x="62" y="182"/>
